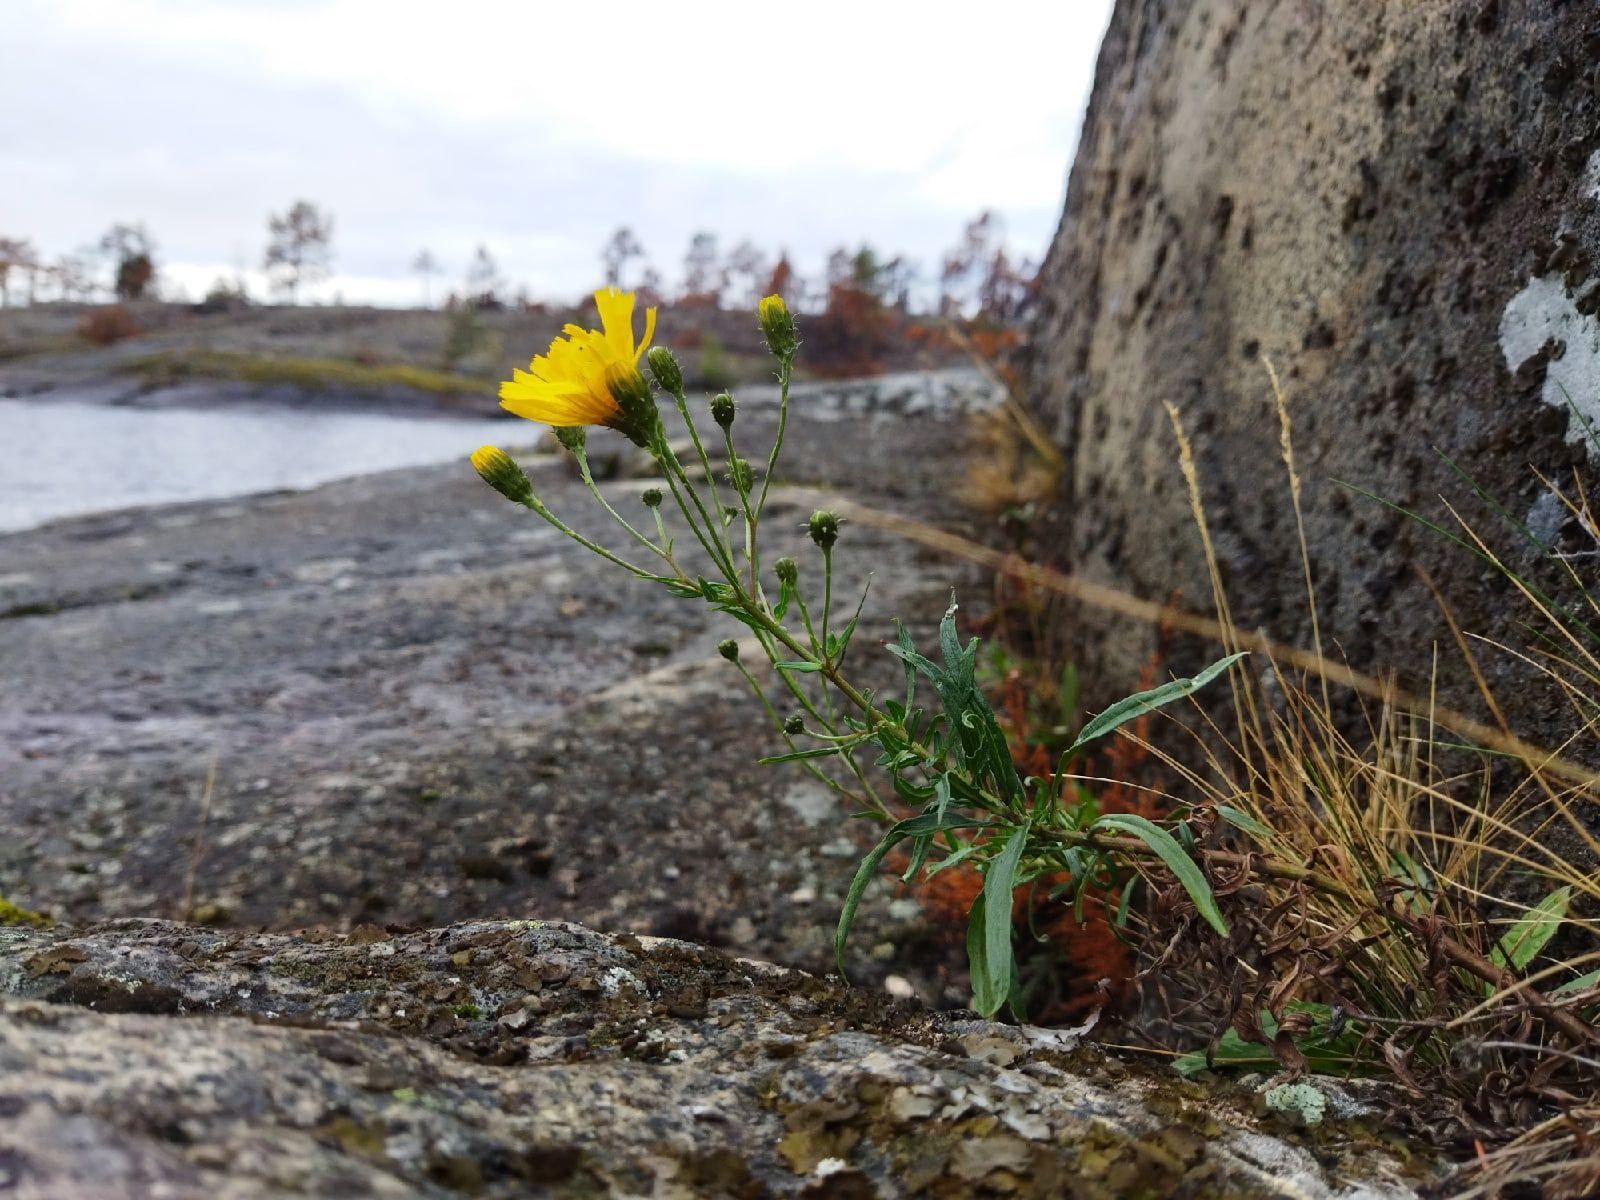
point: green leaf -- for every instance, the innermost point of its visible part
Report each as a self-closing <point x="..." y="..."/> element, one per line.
<point x="941" y="791"/>
<point x="797" y="666"/>
<point x="1581" y="983"/>
<point x="1122" y="905"/>
<point x="1243" y="822"/>
<point x="1232" y="1051"/>
<point x="989" y="928"/>
<point x="903" y="647"/>
<point x="1139" y="703"/>
<point x="922" y="823"/>
<point x="1324" y="1053"/>
<point x="960" y="856"/>
<point x="839" y="642"/>
<point x="1531" y="931"/>
<point x="814" y="752"/>
<point x="785" y="596"/>
<point x="744" y="618"/>
<point x="949" y="641"/>
<point x="1166" y="848"/>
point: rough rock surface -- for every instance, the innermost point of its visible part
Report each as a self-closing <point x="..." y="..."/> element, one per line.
<point x="1399" y="205"/>
<point x="531" y="1058"/>
<point x="425" y="706"/>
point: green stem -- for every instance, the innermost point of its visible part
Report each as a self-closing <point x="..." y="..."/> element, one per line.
<point x="588" y="481"/>
<point x="750" y="553"/>
<point x="827" y="598"/>
<point x="711" y="540"/>
<point x="810" y="766"/>
<point x="682" y="401"/>
<point x="785" y="371"/>
<point x="537" y="506"/>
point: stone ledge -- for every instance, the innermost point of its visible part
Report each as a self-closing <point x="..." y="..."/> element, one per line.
<point x="506" y="1058"/>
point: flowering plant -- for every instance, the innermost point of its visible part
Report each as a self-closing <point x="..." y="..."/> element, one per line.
<point x="954" y="793"/>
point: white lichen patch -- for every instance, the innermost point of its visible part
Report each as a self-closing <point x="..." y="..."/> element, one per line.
<point x="1301" y="1099"/>
<point x="1544" y="314"/>
<point x="1591" y="177"/>
<point x="616" y="979"/>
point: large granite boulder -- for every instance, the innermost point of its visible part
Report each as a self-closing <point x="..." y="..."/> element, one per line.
<point x="1399" y="205"/>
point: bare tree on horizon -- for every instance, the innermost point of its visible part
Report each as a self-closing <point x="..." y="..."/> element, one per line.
<point x="623" y="246"/>
<point x="426" y="266"/>
<point x="299" y="246"/>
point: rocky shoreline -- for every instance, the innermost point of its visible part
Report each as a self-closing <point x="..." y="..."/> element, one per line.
<point x="425" y="706"/>
<point x="468" y="830"/>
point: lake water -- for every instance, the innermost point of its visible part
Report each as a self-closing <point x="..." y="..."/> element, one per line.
<point x="61" y="458"/>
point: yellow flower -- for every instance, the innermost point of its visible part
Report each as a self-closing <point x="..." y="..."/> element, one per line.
<point x="567" y="386"/>
<point x="771" y="308"/>
<point x="777" y="325"/>
<point x="497" y="468"/>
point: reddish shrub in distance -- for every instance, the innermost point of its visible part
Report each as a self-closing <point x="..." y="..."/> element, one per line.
<point x="106" y="326"/>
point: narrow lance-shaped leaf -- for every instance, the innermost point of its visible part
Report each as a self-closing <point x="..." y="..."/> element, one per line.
<point x="1532" y="930"/>
<point x="1243" y="822"/>
<point x="989" y="928"/>
<point x="1139" y="703"/>
<point x="1166" y="848"/>
<point x="922" y="823"/>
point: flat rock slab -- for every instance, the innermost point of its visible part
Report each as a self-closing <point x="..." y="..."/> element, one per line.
<point x="423" y="705"/>
<point x="514" y="1058"/>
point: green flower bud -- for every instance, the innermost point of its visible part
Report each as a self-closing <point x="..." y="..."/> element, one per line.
<point x="739" y="476"/>
<point x="496" y="468"/>
<point x="793" y="724"/>
<point x="651" y="497"/>
<point x="729" y="649"/>
<point x="823" y="528"/>
<point x="722" y="409"/>
<point x="777" y="326"/>
<point x="787" y="569"/>
<point x="573" y="437"/>
<point x="664" y="366"/>
<point x="638" y="420"/>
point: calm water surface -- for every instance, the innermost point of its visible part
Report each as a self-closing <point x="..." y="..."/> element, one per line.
<point x="61" y="457"/>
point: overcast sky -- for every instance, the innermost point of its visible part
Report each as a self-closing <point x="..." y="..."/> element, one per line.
<point x="535" y="128"/>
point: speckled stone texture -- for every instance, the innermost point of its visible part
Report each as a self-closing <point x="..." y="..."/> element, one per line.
<point x="1399" y="205"/>
<point x="515" y="1058"/>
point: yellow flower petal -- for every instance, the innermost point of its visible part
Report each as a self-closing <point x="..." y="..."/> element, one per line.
<point x="567" y="385"/>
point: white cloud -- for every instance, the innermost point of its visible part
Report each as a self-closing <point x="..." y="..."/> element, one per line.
<point x="492" y="120"/>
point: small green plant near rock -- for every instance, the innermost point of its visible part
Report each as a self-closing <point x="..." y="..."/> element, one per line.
<point x="930" y="764"/>
<point x="15" y="914"/>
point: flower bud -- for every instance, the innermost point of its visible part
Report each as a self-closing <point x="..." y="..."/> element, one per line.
<point x="793" y="724"/>
<point x="664" y="366"/>
<point x="739" y="476"/>
<point x="638" y="419"/>
<point x="651" y="497"/>
<point x="777" y="325"/>
<point x="496" y="468"/>
<point x="729" y="649"/>
<point x="722" y="409"/>
<point x="787" y="569"/>
<point x="823" y="528"/>
<point x="573" y="437"/>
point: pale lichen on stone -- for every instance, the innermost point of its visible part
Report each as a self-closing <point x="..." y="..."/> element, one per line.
<point x="1546" y="313"/>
